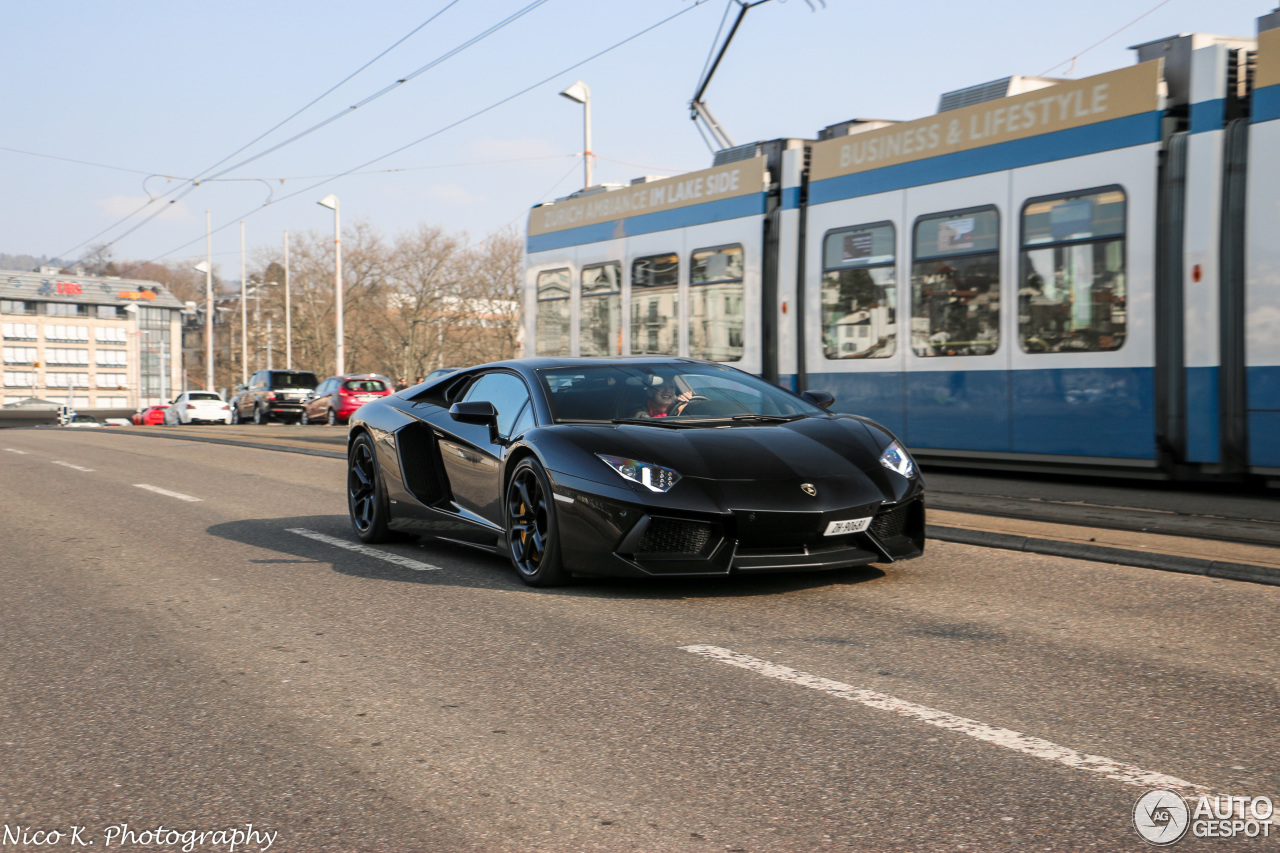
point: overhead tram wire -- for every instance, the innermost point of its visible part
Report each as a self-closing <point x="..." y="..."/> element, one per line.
<point x="695" y="4"/>
<point x="1072" y="60"/>
<point x="387" y="89"/>
<point x="191" y="183"/>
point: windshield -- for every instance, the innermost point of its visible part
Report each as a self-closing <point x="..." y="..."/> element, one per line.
<point x="294" y="380"/>
<point x="365" y="385"/>
<point x="675" y="393"/>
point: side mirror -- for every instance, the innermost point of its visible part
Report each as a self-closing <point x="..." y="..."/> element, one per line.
<point x="474" y="412"/>
<point x="821" y="399"/>
<point x="480" y="412"/>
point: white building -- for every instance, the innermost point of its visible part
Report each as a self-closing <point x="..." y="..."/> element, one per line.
<point x="88" y="342"/>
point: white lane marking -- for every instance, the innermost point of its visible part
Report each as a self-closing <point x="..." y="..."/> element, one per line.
<point x="69" y="465"/>
<point x="11" y="450"/>
<point x="403" y="562"/>
<point x="159" y="491"/>
<point x="1034" y="746"/>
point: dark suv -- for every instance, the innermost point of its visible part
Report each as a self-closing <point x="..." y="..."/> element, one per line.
<point x="272" y="394"/>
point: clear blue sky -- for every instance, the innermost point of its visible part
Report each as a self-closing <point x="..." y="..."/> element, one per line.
<point x="169" y="89"/>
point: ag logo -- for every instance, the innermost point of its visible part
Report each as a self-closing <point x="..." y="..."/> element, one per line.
<point x="1161" y="817"/>
<point x="809" y="489"/>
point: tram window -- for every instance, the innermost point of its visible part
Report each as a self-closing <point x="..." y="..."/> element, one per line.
<point x="655" y="307"/>
<point x="715" y="304"/>
<point x="859" y="292"/>
<point x="955" y="283"/>
<point x="600" y="327"/>
<point x="553" y="312"/>
<point x="1072" y="296"/>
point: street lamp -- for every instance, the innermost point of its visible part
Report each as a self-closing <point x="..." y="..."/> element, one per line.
<point x="206" y="267"/>
<point x="331" y="202"/>
<point x="580" y="93"/>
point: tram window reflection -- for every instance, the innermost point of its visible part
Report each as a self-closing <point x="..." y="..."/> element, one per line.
<point x="553" y="313"/>
<point x="655" y="305"/>
<point x="600" y="314"/>
<point x="1073" y="296"/>
<point x="716" y="314"/>
<point x="955" y="284"/>
<point x="859" y="292"/>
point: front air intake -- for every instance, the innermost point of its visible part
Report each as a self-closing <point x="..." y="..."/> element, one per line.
<point x="673" y="536"/>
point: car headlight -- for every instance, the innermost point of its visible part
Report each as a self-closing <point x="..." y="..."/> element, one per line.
<point x="652" y="477"/>
<point x="896" y="458"/>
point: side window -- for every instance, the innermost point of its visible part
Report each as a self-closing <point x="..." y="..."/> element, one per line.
<point x="860" y="292"/>
<point x="955" y="283"/>
<point x="508" y="394"/>
<point x="655" y="306"/>
<point x="553" y="313"/>
<point x="524" y="421"/>
<point x="1071" y="291"/>
<point x="715" y="304"/>
<point x="258" y="381"/>
<point x="600" y="330"/>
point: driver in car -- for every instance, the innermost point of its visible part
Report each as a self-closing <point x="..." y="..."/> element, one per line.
<point x="662" y="400"/>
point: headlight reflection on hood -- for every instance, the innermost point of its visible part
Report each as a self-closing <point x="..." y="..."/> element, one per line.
<point x="653" y="477"/>
<point x="896" y="458"/>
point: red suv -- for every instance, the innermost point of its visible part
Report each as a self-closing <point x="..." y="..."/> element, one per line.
<point x="337" y="397"/>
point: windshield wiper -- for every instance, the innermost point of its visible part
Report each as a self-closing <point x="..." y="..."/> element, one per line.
<point x="771" y="419"/>
<point x="669" y="423"/>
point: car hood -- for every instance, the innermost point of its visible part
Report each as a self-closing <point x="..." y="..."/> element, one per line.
<point x="759" y="465"/>
<point x="810" y="447"/>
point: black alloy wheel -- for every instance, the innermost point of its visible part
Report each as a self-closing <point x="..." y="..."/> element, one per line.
<point x="234" y="417"/>
<point x="259" y="417"/>
<point x="533" y="536"/>
<point x="305" y="420"/>
<point x="365" y="499"/>
<point x="333" y="418"/>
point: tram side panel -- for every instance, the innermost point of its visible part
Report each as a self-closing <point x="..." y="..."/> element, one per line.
<point x="1080" y="322"/>
<point x="855" y="304"/>
<point x="1012" y="331"/>
<point x="661" y="267"/>
<point x="789" y="308"/>
<point x="1202" y="248"/>
<point x="1262" y="298"/>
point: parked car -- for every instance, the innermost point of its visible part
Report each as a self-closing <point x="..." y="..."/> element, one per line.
<point x="338" y="396"/>
<point x="437" y="373"/>
<point x="643" y="468"/>
<point x="150" y="416"/>
<point x="80" y="421"/>
<point x="198" y="407"/>
<point x="271" y="395"/>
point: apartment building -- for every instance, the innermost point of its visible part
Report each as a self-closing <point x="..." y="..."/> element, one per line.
<point x="88" y="342"/>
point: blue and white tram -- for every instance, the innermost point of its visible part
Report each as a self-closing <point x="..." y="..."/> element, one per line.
<point x="1079" y="273"/>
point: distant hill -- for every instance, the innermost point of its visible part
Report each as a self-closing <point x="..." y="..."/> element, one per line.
<point x="26" y="263"/>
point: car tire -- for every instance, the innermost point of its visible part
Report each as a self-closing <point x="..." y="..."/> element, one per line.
<point x="366" y="498"/>
<point x="533" y="532"/>
<point x="304" y="419"/>
<point x="234" y="417"/>
<point x="259" y="417"/>
<point x="333" y="418"/>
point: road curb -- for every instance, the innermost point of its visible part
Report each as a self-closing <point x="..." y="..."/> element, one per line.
<point x="1103" y="554"/>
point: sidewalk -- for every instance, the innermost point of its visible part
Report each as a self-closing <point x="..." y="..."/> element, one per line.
<point x="1256" y="563"/>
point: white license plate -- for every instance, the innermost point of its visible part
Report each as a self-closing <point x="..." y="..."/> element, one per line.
<point x="853" y="525"/>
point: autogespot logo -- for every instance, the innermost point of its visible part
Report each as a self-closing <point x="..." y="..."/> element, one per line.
<point x="1161" y="817"/>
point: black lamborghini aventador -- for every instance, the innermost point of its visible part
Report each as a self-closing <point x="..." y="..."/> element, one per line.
<point x="633" y="466"/>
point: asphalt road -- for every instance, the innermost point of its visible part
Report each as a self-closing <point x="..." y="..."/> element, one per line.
<point x="202" y="665"/>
